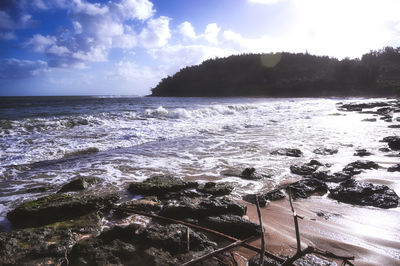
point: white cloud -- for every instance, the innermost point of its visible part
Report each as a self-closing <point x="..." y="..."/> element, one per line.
<point x="211" y="33"/>
<point x="176" y="57"/>
<point x="17" y="69"/>
<point x="136" y="9"/>
<point x="156" y="33"/>
<point x="187" y="30"/>
<point x="126" y="70"/>
<point x="80" y="6"/>
<point x="97" y="28"/>
<point x="40" y="43"/>
<point x="58" y="50"/>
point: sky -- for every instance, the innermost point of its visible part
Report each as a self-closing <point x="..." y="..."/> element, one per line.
<point x="125" y="47"/>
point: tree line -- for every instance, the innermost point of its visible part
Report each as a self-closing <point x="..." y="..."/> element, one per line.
<point x="377" y="73"/>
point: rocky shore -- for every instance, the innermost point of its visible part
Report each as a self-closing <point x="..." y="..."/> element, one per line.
<point x="79" y="226"/>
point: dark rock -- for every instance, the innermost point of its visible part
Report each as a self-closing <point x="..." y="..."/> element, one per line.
<point x="362" y="152"/>
<point x="360" y="106"/>
<point x="394" y="144"/>
<point x="187" y="193"/>
<point x="384" y="110"/>
<point x="275" y="194"/>
<point x="86" y="224"/>
<point x="325" y="151"/>
<point x="315" y="162"/>
<point x="312" y="260"/>
<point x="255" y="261"/>
<point x="354" y="167"/>
<point x="160" y="185"/>
<point x="77" y="184"/>
<point x="58" y="207"/>
<point x="368" y="194"/>
<point x="171" y="238"/>
<point x="384" y="149"/>
<point x="24" y="247"/>
<point x="252" y="199"/>
<point x="304" y="169"/>
<point x="93" y="251"/>
<point x="369" y="120"/>
<point x="232" y="225"/>
<point x="138" y="205"/>
<point x="326" y="177"/>
<point x="394" y="126"/>
<point x="390" y="138"/>
<point x="340" y="176"/>
<point x="288" y="152"/>
<point x="387" y="118"/>
<point x="247" y="173"/>
<point x="306" y="187"/>
<point x="395" y="168"/>
<point x="272" y="195"/>
<point x="216" y="189"/>
<point x="188" y="208"/>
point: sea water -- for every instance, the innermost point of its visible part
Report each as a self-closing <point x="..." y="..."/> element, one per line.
<point x="47" y="141"/>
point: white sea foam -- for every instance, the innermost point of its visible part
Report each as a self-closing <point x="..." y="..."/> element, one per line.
<point x="184" y="137"/>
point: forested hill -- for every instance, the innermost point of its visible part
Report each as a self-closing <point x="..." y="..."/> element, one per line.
<point x="288" y="75"/>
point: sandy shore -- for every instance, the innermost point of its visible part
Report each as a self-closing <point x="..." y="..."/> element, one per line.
<point x="370" y="234"/>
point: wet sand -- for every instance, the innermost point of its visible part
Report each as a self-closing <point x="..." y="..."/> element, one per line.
<point x="370" y="234"/>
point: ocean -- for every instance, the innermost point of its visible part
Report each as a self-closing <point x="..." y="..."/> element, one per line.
<point x="47" y="141"/>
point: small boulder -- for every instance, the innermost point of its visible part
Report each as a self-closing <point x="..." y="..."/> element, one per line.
<point x="275" y="194"/>
<point x="394" y="144"/>
<point x="215" y="189"/>
<point x="252" y="199"/>
<point x="325" y="151"/>
<point x="362" y="152"/>
<point x="326" y="177"/>
<point x="255" y="261"/>
<point x="395" y="168"/>
<point x="160" y="185"/>
<point x="306" y="187"/>
<point x="304" y="169"/>
<point x="233" y="225"/>
<point x="367" y="194"/>
<point x="188" y="208"/>
<point x="355" y="167"/>
<point x="393" y="126"/>
<point x="369" y="120"/>
<point x="249" y="173"/>
<point x="390" y="138"/>
<point x="288" y="152"/>
<point x="77" y="184"/>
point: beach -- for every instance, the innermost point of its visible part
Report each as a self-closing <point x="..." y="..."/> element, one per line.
<point x="243" y="146"/>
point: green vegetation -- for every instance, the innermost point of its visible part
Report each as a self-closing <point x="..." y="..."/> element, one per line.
<point x="288" y="75"/>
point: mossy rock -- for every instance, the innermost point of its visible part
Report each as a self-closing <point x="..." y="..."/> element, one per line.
<point x="160" y="185"/>
<point x="34" y="245"/>
<point x="58" y="207"/>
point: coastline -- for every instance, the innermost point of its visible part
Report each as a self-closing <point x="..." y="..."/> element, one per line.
<point x="84" y="208"/>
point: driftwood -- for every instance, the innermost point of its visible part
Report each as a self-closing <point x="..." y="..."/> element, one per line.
<point x="170" y="220"/>
<point x="218" y="251"/>
<point x="261" y="263"/>
<point x="188" y="239"/>
<point x="308" y="250"/>
<point x="299" y="253"/>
